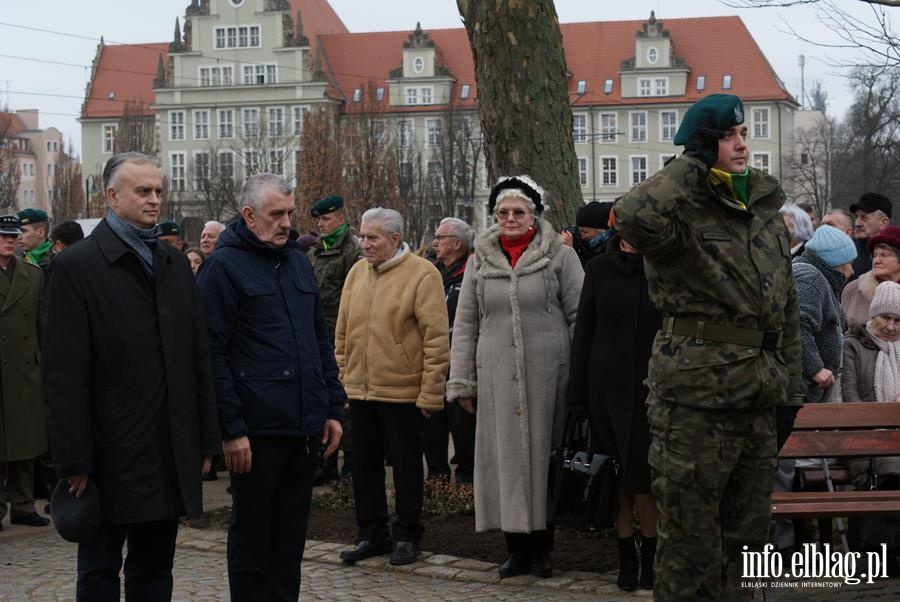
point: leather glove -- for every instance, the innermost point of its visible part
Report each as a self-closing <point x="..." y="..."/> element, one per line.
<point x="784" y="423"/>
<point x="703" y="145"/>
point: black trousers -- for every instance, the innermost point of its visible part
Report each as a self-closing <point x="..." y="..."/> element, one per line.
<point x="148" y="566"/>
<point x="395" y="428"/>
<point x="269" y="514"/>
<point x="527" y="544"/>
<point x="455" y="421"/>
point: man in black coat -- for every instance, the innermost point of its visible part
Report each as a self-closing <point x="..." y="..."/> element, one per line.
<point x="280" y="400"/>
<point x="128" y="386"/>
<point x="452" y="244"/>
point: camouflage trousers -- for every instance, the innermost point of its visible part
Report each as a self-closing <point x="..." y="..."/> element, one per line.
<point x="712" y="474"/>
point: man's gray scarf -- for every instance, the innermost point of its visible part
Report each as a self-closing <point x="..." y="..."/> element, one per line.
<point x="138" y="239"/>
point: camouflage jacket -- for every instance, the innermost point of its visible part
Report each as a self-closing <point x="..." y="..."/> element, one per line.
<point x="708" y="259"/>
<point x="331" y="267"/>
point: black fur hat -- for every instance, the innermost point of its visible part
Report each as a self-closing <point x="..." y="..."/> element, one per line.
<point x="523" y="183"/>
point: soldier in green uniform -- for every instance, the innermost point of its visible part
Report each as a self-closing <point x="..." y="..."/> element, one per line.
<point x="728" y="356"/>
<point x="35" y="237"/>
<point x="332" y="256"/>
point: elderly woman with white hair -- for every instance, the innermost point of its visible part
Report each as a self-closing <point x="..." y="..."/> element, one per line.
<point x="392" y="349"/>
<point x="511" y="341"/>
<point x="799" y="226"/>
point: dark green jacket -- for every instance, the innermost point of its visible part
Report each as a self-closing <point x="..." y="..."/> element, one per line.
<point x="332" y="267"/>
<point x="707" y="259"/>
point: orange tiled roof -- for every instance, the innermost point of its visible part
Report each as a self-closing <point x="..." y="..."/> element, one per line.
<point x="123" y="73"/>
<point x="318" y="19"/>
<point x="11" y="125"/>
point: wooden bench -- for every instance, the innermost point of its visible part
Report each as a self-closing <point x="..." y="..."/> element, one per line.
<point x="841" y="430"/>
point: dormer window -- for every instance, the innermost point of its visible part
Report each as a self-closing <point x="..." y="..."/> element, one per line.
<point x="582" y="86"/>
<point x="726" y="82"/>
<point x="357" y="95"/>
<point x="464" y="92"/>
<point x="379" y="94"/>
<point x="608" y="86"/>
<point x="419" y="65"/>
<point x="652" y="56"/>
<point x="701" y="83"/>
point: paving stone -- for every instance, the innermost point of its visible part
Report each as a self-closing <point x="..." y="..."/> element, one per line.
<point x="475" y="565"/>
<point x="443" y="572"/>
<point x="555" y="582"/>
<point x="442" y="559"/>
<point x="479" y="576"/>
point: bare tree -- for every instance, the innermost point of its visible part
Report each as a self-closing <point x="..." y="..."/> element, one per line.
<point x="67" y="196"/>
<point x="136" y="130"/>
<point x="318" y="166"/>
<point x="809" y="169"/>
<point x="452" y="172"/>
<point x="9" y="165"/>
<point x="520" y="69"/>
<point x="216" y="183"/>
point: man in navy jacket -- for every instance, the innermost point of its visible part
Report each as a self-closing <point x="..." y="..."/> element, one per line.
<point x="276" y="380"/>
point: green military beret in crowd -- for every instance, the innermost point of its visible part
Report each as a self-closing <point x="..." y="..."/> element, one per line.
<point x="32" y="216"/>
<point x="169" y="228"/>
<point x="327" y="205"/>
<point x="715" y="112"/>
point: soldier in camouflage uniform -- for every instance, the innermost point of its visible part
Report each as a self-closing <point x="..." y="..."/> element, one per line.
<point x="718" y="265"/>
<point x="332" y="256"/>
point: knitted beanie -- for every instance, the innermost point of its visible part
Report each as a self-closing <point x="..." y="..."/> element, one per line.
<point x="593" y="215"/>
<point x="886" y="300"/>
<point x="832" y="246"/>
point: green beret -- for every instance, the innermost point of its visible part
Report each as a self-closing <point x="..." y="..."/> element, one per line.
<point x="327" y="205"/>
<point x="169" y="228"/>
<point x="32" y="216"/>
<point x="716" y="112"/>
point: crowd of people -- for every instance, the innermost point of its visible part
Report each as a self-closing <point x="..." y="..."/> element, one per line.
<point x="688" y="321"/>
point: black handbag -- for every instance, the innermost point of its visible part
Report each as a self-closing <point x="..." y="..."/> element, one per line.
<point x="583" y="484"/>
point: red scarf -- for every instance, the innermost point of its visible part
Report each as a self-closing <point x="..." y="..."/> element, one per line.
<point x="514" y="247"/>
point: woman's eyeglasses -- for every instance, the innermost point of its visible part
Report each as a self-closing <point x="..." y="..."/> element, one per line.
<point x="516" y="213"/>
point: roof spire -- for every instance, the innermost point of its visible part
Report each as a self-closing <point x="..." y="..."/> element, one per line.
<point x="160" y="80"/>
<point x="299" y="38"/>
<point x="177" y="38"/>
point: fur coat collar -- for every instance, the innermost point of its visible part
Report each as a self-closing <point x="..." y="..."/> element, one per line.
<point x="543" y="247"/>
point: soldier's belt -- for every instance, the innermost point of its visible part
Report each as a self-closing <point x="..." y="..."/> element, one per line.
<point x="704" y="331"/>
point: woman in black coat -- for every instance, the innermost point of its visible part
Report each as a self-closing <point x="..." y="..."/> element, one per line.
<point x="611" y="347"/>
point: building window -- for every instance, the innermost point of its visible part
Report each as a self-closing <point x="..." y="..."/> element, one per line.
<point x="176" y="173"/>
<point x="760" y="122"/>
<point x="238" y="37"/>
<point x="252" y="164"/>
<point x="464" y="92"/>
<point x="662" y="86"/>
<point x="609" y="171"/>
<point x="581" y="87"/>
<point x="379" y="94"/>
<point x="405" y="132"/>
<point x="425" y="96"/>
<point x="638" y="126"/>
<point x="226" y="123"/>
<point x="109" y="138"/>
<point x="412" y="96"/>
<point x="419" y="96"/>
<point x="260" y="74"/>
<point x="583" y="171"/>
<point x="201" y="125"/>
<point x="419" y="64"/>
<point x="434" y="177"/>
<point x="608" y="86"/>
<point x="638" y="169"/>
<point x="276" y="162"/>
<point x="668" y="124"/>
<point x="405" y="174"/>
<point x="201" y="170"/>
<point x="299" y="116"/>
<point x="250" y="122"/>
<point x="216" y="76"/>
<point x="226" y="167"/>
<point x="176" y="125"/>
<point x="276" y="121"/>
<point x="761" y="161"/>
<point x="701" y="83"/>
<point x="643" y="87"/>
<point x="608" y="127"/>
<point x="726" y="82"/>
<point x="48" y="146"/>
<point x="433" y="126"/>
<point x="579" y="128"/>
<point x="652" y="56"/>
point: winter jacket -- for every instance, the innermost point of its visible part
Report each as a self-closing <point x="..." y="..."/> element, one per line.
<point x="272" y="358"/>
<point x="391" y="338"/>
<point x="23" y="431"/>
<point x="821" y="319"/>
<point x="857" y="297"/>
<point x="452" y="277"/>
<point x="331" y="267"/>
<point x="127" y="380"/>
<point x="511" y="344"/>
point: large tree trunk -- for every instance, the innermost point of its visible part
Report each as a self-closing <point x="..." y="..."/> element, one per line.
<point x="520" y="69"/>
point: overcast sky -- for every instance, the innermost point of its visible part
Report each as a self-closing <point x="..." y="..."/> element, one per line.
<point x="71" y="29"/>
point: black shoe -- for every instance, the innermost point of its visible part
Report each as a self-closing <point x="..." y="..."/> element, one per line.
<point x="648" y="553"/>
<point x="210" y="475"/>
<point x="405" y="552"/>
<point x="628" y="565"/>
<point x="366" y="549"/>
<point x="541" y="565"/>
<point x="325" y="474"/>
<point x="32" y="520"/>
<point x="515" y="565"/>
